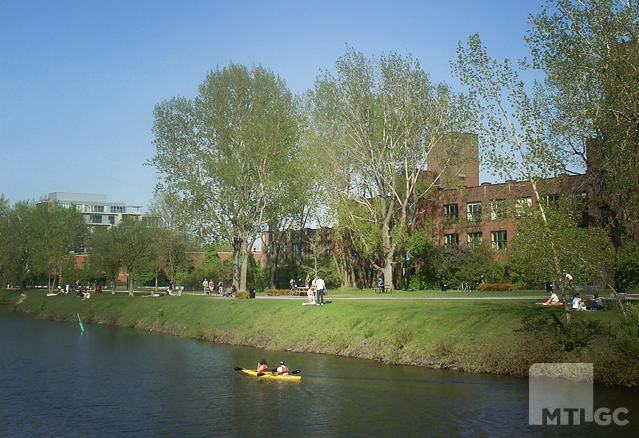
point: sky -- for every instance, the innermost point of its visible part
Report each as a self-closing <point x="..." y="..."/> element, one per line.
<point x="79" y="79"/>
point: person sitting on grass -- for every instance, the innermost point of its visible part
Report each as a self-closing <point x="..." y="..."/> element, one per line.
<point x="577" y="303"/>
<point x="262" y="367"/>
<point x="595" y="303"/>
<point x="552" y="301"/>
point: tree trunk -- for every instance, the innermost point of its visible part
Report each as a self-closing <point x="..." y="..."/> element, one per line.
<point x="244" y="265"/>
<point x="237" y="248"/>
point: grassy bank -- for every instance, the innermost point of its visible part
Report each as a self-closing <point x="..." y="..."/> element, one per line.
<point x="487" y="335"/>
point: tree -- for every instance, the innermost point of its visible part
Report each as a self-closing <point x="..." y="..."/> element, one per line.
<point x="34" y="238"/>
<point x="378" y="122"/>
<point x="106" y="254"/>
<point x="128" y="246"/>
<point x="171" y="237"/>
<point x="62" y="231"/>
<point x="514" y="132"/>
<point x="588" y="50"/>
<point x="584" y="253"/>
<point x="230" y="154"/>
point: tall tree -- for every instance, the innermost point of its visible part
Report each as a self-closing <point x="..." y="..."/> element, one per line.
<point x="379" y="121"/>
<point x="514" y="132"/>
<point x="171" y="237"/>
<point x="229" y="153"/>
<point x="63" y="230"/>
<point x="589" y="50"/>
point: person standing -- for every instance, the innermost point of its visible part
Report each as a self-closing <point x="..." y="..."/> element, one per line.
<point x="320" y="285"/>
<point x="205" y="285"/>
<point x="293" y="286"/>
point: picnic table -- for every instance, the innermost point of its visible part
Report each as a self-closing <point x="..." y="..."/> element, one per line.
<point x="297" y="290"/>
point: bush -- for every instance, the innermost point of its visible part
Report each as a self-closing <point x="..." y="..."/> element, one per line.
<point x="241" y="295"/>
<point x="277" y="292"/>
<point x="497" y="287"/>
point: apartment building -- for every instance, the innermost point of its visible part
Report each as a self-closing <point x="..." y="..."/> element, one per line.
<point x="96" y="210"/>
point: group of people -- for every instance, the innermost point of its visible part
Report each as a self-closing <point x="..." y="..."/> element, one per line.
<point x="211" y="289"/>
<point x="282" y="370"/>
<point x="577" y="302"/>
<point x="317" y="287"/>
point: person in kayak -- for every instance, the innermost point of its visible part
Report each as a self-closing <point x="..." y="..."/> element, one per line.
<point x="262" y="367"/>
<point x="282" y="370"/>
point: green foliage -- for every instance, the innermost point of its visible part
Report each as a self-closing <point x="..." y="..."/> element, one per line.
<point x="35" y="237"/>
<point x="229" y="154"/>
<point x="378" y="121"/>
<point x="129" y="247"/>
<point x="628" y="262"/>
<point x="584" y="253"/>
<point x="595" y="41"/>
<point x="630" y="323"/>
<point x="452" y="265"/>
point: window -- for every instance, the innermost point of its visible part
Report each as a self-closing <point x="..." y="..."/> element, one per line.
<point x="497" y="209"/>
<point x="96" y="218"/>
<point x="96" y="208"/>
<point x="579" y="206"/>
<point x="297" y="253"/>
<point x="473" y="212"/>
<point x="450" y="211"/>
<point x="116" y="209"/>
<point x="450" y="240"/>
<point x="580" y="202"/>
<point x="523" y="207"/>
<point x="474" y="240"/>
<point x="112" y="220"/>
<point x="498" y="240"/>
<point x="551" y="199"/>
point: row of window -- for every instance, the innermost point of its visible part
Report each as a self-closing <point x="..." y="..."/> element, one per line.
<point x="90" y="208"/>
<point x="106" y="219"/>
<point x="99" y="219"/>
<point x="521" y="207"/>
<point x="498" y="240"/>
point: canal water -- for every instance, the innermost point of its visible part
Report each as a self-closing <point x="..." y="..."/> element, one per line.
<point x="114" y="382"/>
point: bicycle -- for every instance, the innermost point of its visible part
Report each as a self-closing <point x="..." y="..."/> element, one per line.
<point x="463" y="287"/>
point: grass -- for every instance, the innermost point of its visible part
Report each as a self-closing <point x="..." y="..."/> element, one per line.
<point x="478" y="335"/>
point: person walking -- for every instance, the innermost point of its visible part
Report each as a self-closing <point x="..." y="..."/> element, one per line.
<point x="320" y="285"/>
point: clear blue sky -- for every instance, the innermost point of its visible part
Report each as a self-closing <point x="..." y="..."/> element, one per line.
<point x="79" y="79"/>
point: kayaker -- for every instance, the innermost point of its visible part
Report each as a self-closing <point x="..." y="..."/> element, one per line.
<point x="262" y="367"/>
<point x="282" y="370"/>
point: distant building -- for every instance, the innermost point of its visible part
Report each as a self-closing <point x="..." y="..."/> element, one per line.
<point x="97" y="212"/>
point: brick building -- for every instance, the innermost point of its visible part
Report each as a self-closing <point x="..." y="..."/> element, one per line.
<point x="471" y="214"/>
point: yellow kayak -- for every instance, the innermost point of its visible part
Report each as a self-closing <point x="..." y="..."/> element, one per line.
<point x="269" y="375"/>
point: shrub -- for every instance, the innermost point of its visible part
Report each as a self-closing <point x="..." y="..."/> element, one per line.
<point x="241" y="295"/>
<point x="497" y="287"/>
<point x="277" y="292"/>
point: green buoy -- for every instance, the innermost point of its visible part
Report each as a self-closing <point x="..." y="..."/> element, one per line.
<point x="80" y="321"/>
